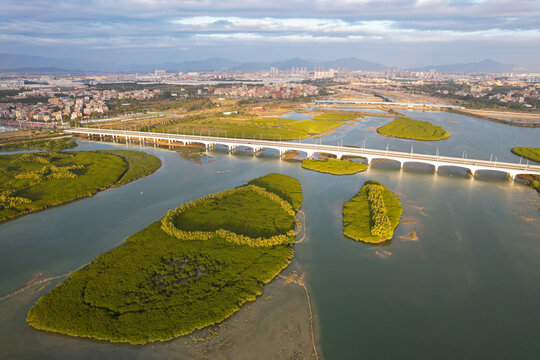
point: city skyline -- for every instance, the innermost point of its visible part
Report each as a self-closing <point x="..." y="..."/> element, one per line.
<point x="395" y="33"/>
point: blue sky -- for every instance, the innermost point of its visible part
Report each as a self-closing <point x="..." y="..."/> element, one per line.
<point x="401" y="33"/>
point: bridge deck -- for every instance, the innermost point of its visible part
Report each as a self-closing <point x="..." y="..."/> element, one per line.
<point x="402" y="157"/>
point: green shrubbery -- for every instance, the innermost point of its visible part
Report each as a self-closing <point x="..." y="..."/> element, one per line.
<point x="336" y="116"/>
<point x="140" y="164"/>
<point x="225" y="214"/>
<point x="334" y="166"/>
<point x="34" y="181"/>
<point x="372" y="214"/>
<point x="528" y="153"/>
<point x="284" y="186"/>
<point x="156" y="287"/>
<point x="249" y="128"/>
<point x="380" y="224"/>
<point x="413" y="129"/>
<point x="534" y="155"/>
<point x="52" y="145"/>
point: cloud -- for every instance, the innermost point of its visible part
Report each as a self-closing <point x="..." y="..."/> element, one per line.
<point x="175" y="24"/>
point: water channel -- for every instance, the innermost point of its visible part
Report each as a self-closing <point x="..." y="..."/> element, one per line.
<point x="467" y="288"/>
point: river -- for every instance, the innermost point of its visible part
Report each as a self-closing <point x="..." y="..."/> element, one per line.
<point x="467" y="288"/>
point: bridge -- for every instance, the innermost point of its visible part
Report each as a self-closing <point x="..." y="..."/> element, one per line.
<point x="437" y="161"/>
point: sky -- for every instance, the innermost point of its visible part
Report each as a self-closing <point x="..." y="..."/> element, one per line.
<point x="401" y="33"/>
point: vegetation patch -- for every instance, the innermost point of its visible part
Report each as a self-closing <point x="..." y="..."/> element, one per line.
<point x="334" y="166"/>
<point x="413" y="129"/>
<point x="371" y="215"/>
<point x="35" y="181"/>
<point x="156" y="287"/>
<point x="271" y="219"/>
<point x="249" y="128"/>
<point x="46" y="144"/>
<point x="534" y="155"/>
<point x="528" y="153"/>
<point x="535" y="182"/>
<point x="284" y="186"/>
<point x="315" y="127"/>
<point x="140" y="164"/>
<point x="336" y="116"/>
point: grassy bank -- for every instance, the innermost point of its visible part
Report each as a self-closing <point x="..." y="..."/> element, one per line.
<point x="156" y="287"/>
<point x="528" y="153"/>
<point x="139" y="164"/>
<point x="371" y="215"/>
<point x="334" y="166"/>
<point x="46" y="144"/>
<point x="252" y="128"/>
<point x="285" y="187"/>
<point x="406" y="128"/>
<point x="34" y="181"/>
<point x="336" y="116"/>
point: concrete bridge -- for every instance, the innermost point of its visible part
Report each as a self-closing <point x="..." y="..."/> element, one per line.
<point x="473" y="165"/>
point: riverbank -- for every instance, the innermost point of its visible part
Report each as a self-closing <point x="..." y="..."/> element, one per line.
<point x="53" y="144"/>
<point x="509" y="118"/>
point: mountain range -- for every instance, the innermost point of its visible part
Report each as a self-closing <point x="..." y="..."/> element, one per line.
<point x="40" y="64"/>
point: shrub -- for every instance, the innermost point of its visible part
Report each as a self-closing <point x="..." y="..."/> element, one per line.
<point x="168" y="223"/>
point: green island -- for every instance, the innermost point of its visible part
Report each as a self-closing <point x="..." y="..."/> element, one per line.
<point x="34" y="181"/>
<point x="406" y="128"/>
<point x="372" y="214"/>
<point x="44" y="144"/>
<point x="334" y="166"/>
<point x="534" y="155"/>
<point x="166" y="282"/>
<point x="255" y="128"/>
<point x="336" y="116"/>
<point x="528" y="153"/>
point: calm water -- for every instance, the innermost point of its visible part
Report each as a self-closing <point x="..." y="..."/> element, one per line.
<point x="467" y="289"/>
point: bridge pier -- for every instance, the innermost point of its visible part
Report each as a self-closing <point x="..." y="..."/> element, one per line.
<point x="512" y="175"/>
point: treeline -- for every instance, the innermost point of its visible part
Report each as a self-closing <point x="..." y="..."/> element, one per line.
<point x="380" y="224"/>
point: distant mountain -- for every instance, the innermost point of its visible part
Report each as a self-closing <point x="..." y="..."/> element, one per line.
<point x="355" y="64"/>
<point x="47" y="71"/>
<point x="202" y="65"/>
<point x="350" y="63"/>
<point x="15" y="61"/>
<point x="484" y="66"/>
<point x="45" y="65"/>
